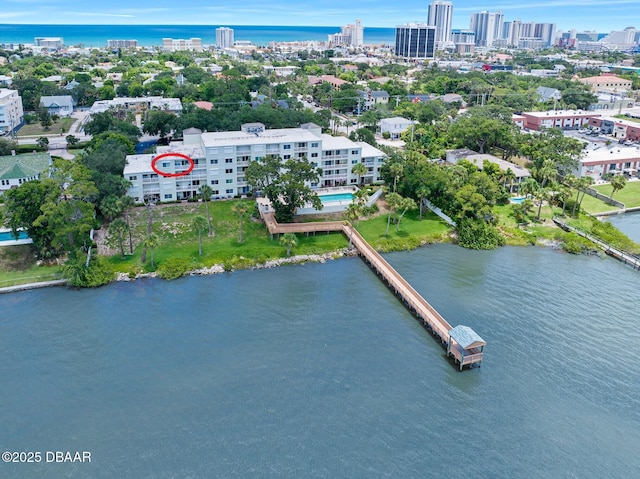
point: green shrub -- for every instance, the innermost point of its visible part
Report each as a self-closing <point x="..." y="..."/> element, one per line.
<point x="576" y="244"/>
<point x="477" y="234"/>
<point x="79" y="275"/>
<point x="173" y="268"/>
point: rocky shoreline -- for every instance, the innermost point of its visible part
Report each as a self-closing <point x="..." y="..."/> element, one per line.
<point x="274" y="263"/>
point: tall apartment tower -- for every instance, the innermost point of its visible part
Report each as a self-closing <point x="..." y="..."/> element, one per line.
<point x="224" y="37"/>
<point x="488" y="27"/>
<point x="440" y="16"/>
<point x="415" y="41"/>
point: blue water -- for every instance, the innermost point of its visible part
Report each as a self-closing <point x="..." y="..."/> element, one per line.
<point x="517" y="200"/>
<point x="628" y="223"/>
<point x="8" y="236"/>
<point x="151" y="35"/>
<point x="336" y="197"/>
<point x="318" y="371"/>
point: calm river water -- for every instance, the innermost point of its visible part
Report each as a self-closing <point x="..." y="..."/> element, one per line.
<point x="318" y="371"/>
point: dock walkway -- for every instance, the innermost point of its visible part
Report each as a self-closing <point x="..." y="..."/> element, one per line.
<point x="420" y="307"/>
<point x="624" y="256"/>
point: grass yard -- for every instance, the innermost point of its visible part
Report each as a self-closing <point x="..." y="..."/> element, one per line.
<point x="35" y="129"/>
<point x="629" y="195"/>
<point x="172" y="223"/>
<point x="412" y="232"/>
<point x="178" y="241"/>
<point x="18" y="266"/>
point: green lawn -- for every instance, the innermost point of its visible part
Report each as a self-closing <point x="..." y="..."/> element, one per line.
<point x="628" y="118"/>
<point x="18" y="266"/>
<point x="412" y="232"/>
<point x="35" y="129"/>
<point x="629" y="195"/>
<point x="178" y="240"/>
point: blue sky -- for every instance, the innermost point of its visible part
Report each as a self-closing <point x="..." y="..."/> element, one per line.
<point x="599" y="15"/>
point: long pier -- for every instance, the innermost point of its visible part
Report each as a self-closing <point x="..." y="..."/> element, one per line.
<point x="624" y="256"/>
<point x="461" y="343"/>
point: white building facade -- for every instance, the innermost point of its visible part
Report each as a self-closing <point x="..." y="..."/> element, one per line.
<point x="440" y="16"/>
<point x="177" y="45"/>
<point x="224" y="37"/>
<point x="11" y="111"/>
<point x="221" y="158"/>
<point x="487" y="27"/>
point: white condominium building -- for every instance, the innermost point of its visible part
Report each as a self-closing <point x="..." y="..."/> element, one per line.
<point x="224" y="37"/>
<point x="11" y="112"/>
<point x="221" y="159"/>
<point x="440" y="16"/>
<point x="487" y="26"/>
<point x="173" y="45"/>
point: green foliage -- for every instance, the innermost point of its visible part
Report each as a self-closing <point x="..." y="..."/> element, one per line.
<point x="173" y="268"/>
<point x="285" y="183"/>
<point x="79" y="275"/>
<point x="576" y="244"/>
<point x="478" y="234"/>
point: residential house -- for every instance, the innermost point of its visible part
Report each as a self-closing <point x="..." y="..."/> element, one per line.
<point x="18" y="169"/>
<point x="548" y="94"/>
<point x="454" y="156"/>
<point x="395" y="126"/>
<point x="61" y="106"/>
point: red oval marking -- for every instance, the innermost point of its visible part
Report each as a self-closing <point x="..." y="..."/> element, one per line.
<point x="173" y="175"/>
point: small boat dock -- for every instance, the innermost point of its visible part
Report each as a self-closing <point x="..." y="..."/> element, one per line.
<point x="462" y="344"/>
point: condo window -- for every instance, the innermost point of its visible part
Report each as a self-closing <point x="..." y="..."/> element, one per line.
<point x="228" y="170"/>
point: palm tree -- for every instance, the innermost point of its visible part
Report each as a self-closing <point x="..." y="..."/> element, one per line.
<point x="396" y="169"/>
<point x="117" y="228"/>
<point x="359" y="169"/>
<point x="618" y="182"/>
<point x="290" y="240"/>
<point x="528" y="187"/>
<point x="394" y="202"/>
<point x="151" y="241"/>
<point x="542" y="194"/>
<point x="125" y="203"/>
<point x="563" y="193"/>
<point x="199" y="223"/>
<point x="110" y="207"/>
<point x="582" y="185"/>
<point x="206" y="192"/>
<point x="240" y="209"/>
<point x="547" y="171"/>
<point x="508" y="177"/>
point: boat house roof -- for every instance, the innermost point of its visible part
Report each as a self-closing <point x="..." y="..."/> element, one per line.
<point x="466" y="337"/>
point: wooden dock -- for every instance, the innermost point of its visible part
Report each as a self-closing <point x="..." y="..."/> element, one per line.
<point x="461" y="343"/>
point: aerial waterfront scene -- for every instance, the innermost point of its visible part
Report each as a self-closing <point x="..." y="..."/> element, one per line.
<point x="319" y="241"/>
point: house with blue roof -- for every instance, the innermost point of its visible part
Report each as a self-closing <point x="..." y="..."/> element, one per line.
<point x="61" y="105"/>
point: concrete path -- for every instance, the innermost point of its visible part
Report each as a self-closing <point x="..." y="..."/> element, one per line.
<point x="26" y="286"/>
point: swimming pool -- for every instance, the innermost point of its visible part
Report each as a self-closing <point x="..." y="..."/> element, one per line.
<point x="517" y="200"/>
<point x="335" y="197"/>
<point x="8" y="236"/>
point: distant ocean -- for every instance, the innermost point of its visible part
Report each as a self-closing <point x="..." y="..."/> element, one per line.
<point x="151" y="35"/>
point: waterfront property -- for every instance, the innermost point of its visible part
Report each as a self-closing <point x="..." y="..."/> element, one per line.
<point x="597" y="161"/>
<point x="520" y="173"/>
<point x="221" y="158"/>
<point x="18" y="169"/>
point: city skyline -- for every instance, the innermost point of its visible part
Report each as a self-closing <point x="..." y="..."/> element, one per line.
<point x="598" y="15"/>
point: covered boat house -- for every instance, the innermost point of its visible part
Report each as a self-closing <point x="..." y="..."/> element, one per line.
<point x="465" y="346"/>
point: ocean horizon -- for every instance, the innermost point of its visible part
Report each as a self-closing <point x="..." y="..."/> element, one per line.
<point x="152" y="35"/>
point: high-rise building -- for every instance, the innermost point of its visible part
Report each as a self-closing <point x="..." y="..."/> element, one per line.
<point x="440" y="16"/>
<point x="351" y="35"/>
<point x="415" y="41"/>
<point x="224" y="37"/>
<point x="488" y="27"/>
<point x="52" y="43"/>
